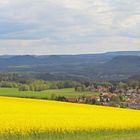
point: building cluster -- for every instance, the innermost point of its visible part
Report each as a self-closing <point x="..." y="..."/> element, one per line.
<point x="124" y="98"/>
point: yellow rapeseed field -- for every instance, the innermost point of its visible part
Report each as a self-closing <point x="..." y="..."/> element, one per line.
<point x="25" y="115"/>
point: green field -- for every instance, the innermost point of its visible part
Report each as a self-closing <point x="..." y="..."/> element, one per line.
<point x="70" y="92"/>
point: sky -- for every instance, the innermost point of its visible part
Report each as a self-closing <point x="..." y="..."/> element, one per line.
<point x="69" y="26"/>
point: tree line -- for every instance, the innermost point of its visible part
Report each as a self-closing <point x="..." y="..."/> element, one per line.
<point x="30" y="83"/>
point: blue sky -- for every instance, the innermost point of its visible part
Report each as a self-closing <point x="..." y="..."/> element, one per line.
<point x="69" y="26"/>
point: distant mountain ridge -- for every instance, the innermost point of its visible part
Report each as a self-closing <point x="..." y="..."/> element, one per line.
<point x="105" y="66"/>
<point x="124" y="53"/>
<point x="117" y="53"/>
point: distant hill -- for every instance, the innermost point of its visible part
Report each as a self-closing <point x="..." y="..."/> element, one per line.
<point x="120" y="67"/>
<point x="124" y="53"/>
<point x="105" y="66"/>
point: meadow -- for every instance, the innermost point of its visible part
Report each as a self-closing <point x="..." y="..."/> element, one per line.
<point x="47" y="94"/>
<point x="32" y="119"/>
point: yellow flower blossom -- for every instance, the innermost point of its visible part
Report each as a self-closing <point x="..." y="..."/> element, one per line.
<point x="26" y="115"/>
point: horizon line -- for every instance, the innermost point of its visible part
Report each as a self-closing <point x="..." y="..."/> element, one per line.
<point x="68" y="54"/>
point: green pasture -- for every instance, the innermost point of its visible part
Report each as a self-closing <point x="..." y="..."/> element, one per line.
<point x="47" y="94"/>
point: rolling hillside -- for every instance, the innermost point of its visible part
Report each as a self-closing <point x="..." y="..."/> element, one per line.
<point x="107" y="66"/>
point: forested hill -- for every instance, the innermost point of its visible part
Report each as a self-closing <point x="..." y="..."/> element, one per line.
<point x="106" y="66"/>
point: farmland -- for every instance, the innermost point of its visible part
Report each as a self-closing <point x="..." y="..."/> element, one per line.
<point x="47" y="94"/>
<point x="29" y="119"/>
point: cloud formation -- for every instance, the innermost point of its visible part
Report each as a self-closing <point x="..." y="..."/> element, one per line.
<point x="68" y="26"/>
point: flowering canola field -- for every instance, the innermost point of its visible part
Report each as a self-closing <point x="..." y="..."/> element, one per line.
<point x="25" y="115"/>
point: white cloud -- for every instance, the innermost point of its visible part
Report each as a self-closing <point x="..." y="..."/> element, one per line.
<point x="69" y="26"/>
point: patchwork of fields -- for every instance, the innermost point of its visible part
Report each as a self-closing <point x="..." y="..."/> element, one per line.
<point x="52" y="120"/>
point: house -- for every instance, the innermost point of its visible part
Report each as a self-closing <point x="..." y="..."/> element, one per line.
<point x="91" y="99"/>
<point x="117" y="91"/>
<point x="138" y="91"/>
<point x="120" y="90"/>
<point x="81" y="100"/>
<point x="102" y="89"/>
<point x="105" y="97"/>
<point x="73" y="100"/>
<point x="131" y="93"/>
<point x="131" y="100"/>
<point x="133" y="105"/>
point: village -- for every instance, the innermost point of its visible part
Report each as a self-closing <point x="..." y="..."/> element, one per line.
<point x="122" y="97"/>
